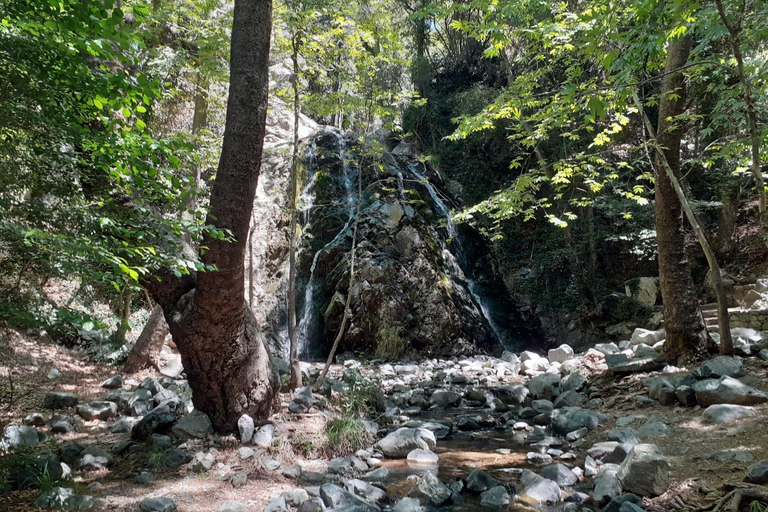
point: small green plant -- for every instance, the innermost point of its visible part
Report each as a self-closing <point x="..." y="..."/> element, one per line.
<point x="390" y="345"/>
<point x="156" y="458"/>
<point x="303" y="446"/>
<point x="757" y="506"/>
<point x="345" y="435"/>
<point x="361" y="399"/>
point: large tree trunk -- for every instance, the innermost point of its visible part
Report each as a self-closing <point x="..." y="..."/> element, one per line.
<point x="686" y="333"/>
<point x="146" y="352"/>
<point x="221" y="346"/>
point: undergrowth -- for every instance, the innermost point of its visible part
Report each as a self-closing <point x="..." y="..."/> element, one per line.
<point x="346" y="435"/>
<point x="390" y="345"/>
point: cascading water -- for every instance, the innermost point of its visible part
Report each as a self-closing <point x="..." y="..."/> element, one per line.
<point x="456" y="261"/>
<point x="307" y="325"/>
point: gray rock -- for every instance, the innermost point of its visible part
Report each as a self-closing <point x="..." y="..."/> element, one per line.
<point x="546" y="386"/>
<point x="159" y="442"/>
<point x="441" y="429"/>
<point x="722" y="366"/>
<point x="423" y="457"/>
<point x="617" y="502"/>
<point x="686" y="396"/>
<point x="35" y="419"/>
<point x="246" y="427"/>
<point x="97" y="411"/>
<point x="54" y="498"/>
<point x="607" y="348"/>
<point x="233" y="506"/>
<point x="444" y="398"/>
<point x="377" y="475"/>
<point x="431" y="490"/>
<point x="758" y="474"/>
<point x="630" y="507"/>
<point x="538" y="459"/>
<point x="727" y="390"/>
<point x="263" y="436"/>
<point x="69" y="453"/>
<point x="19" y="435"/>
<point x="365" y="490"/>
<point x="623" y="435"/>
<point x="158" y="505"/>
<point x="645" y="471"/>
<point x="610" y="451"/>
<point x="304" y="396"/>
<point x="276" y="505"/>
<point x="408" y="505"/>
<point x="295" y="497"/>
<point x="402" y="441"/>
<point x="144" y="478"/>
<point x="570" y="419"/>
<point x="512" y="395"/>
<point x="202" y="462"/>
<point x="663" y="391"/>
<point x="93" y="458"/>
<point x="195" y="425"/>
<point x="245" y="453"/>
<point x="123" y="425"/>
<point x="293" y="472"/>
<point x="574" y="382"/>
<point x="60" y="400"/>
<point x="175" y="458"/>
<point x="560" y="474"/>
<point x="647" y="337"/>
<point x="238" y="479"/>
<point x="115" y="382"/>
<point x="537" y="490"/>
<point x="26" y="472"/>
<point x="653" y="428"/>
<point x="607" y="484"/>
<point x="723" y="413"/>
<point x="312" y="505"/>
<point x="159" y="420"/>
<point x="621" y="364"/>
<point x="495" y="497"/>
<point x="141" y="407"/>
<point x="480" y="481"/>
<point x="570" y="399"/>
<point x="560" y="354"/>
<point x="334" y="496"/>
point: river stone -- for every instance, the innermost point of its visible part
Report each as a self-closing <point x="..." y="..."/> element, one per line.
<point x="727" y="390"/>
<point x="607" y="348"/>
<point x="607" y="484"/>
<point x="245" y="453"/>
<point x="758" y="474"/>
<point x="93" y="458"/>
<point x="722" y="413"/>
<point x="376" y="475"/>
<point x="511" y="395"/>
<point x="570" y="399"/>
<point x="195" y="425"/>
<point x="159" y="420"/>
<point x="610" y="451"/>
<point x="401" y="442"/>
<point x="621" y="363"/>
<point x="246" y="428"/>
<point x="444" y="398"/>
<point x="60" y="400"/>
<point x="161" y="504"/>
<point x="645" y="471"/>
<point x="570" y="419"/>
<point x="686" y="396"/>
<point x="722" y="366"/>
<point x="496" y="497"/>
<point x="295" y="497"/>
<point x="574" y="382"/>
<point x="233" y="506"/>
<point x="663" y="391"/>
<point x="560" y="474"/>
<point x="480" y="481"/>
<point x="647" y="337"/>
<point x="365" y="490"/>
<point x="653" y="428"/>
<point x="537" y="490"/>
<point x="431" y="490"/>
<point x="17" y="435"/>
<point x="560" y="354"/>
<point x="623" y="435"/>
<point x="54" y="498"/>
<point x="312" y="505"/>
<point x="617" y="502"/>
<point x="97" y="410"/>
<point x="408" y="505"/>
<point x="545" y="386"/>
<point x="263" y="436"/>
<point x="425" y="457"/>
<point x="276" y="505"/>
<point x="441" y="429"/>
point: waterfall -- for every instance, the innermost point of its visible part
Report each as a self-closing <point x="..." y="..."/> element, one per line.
<point x="456" y="261"/>
<point x="307" y="325"/>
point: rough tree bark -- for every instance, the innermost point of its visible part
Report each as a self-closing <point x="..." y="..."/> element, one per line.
<point x="146" y="352"/>
<point x="221" y="346"/>
<point x="687" y="337"/>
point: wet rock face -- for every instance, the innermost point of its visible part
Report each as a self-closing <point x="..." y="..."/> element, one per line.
<point x="410" y="292"/>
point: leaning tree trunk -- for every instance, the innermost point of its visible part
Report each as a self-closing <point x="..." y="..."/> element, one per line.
<point x="687" y="335"/>
<point x="222" y="349"/>
<point x="146" y="352"/>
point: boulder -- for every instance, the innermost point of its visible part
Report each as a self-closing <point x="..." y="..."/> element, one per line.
<point x="431" y="490"/>
<point x="408" y="505"/>
<point x="480" y="481"/>
<point x="263" y="436"/>
<point x="97" y="410"/>
<point x="444" y="398"/>
<point x="722" y="366"/>
<point x="401" y="442"/>
<point x="621" y="364"/>
<point x="159" y="420"/>
<point x="645" y="471"/>
<point x="195" y="425"/>
<point x="727" y="390"/>
<point x="571" y="419"/>
<point x="18" y="435"/>
<point x="422" y="457"/>
<point x="537" y="490"/>
<point x="246" y="428"/>
<point x="644" y="290"/>
<point x="560" y="474"/>
<point x="158" y="505"/>
<point x="496" y="497"/>
<point x="723" y="413"/>
<point x="607" y="484"/>
<point x="546" y="386"/>
<point x="560" y="354"/>
<point x="646" y="337"/>
<point x="758" y="474"/>
<point x="233" y="506"/>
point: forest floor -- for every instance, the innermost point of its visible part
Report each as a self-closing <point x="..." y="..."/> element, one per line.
<point x="702" y="456"/>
